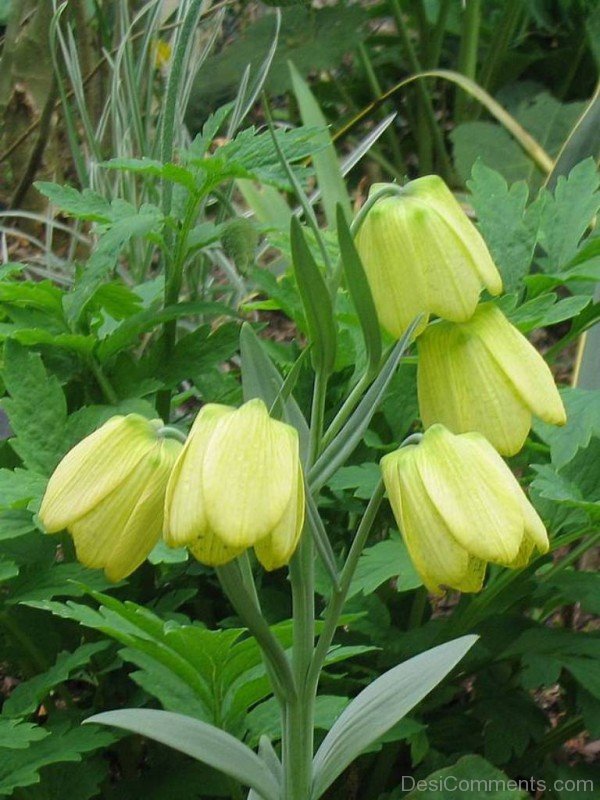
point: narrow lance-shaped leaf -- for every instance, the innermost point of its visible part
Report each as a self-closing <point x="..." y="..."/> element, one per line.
<point x="316" y="301"/>
<point x="260" y="378"/>
<point x="360" y="292"/>
<point x="327" y="166"/>
<point x="203" y="742"/>
<point x="348" y="438"/>
<point x="380" y="706"/>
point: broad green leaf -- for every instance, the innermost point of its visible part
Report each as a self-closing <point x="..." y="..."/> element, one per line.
<point x="567" y="213"/>
<point x="381" y="562"/>
<point x="37" y="409"/>
<point x="19" y="487"/>
<point x="583" y="139"/>
<point x="509" y="229"/>
<point x="381" y="705"/>
<point x="362" y="479"/>
<point x="26" y="697"/>
<point x="20" y="768"/>
<point x="586" y="671"/>
<point x="268" y="204"/>
<point x="15" y="523"/>
<point x="358" y="287"/>
<point x="86" y="205"/>
<point x="583" y="423"/>
<point x="15" y="734"/>
<point x="81" y="781"/>
<point x="327" y="166"/>
<point x="174" y="173"/>
<point x="469" y="773"/>
<point x="547" y="310"/>
<point x="38" y="582"/>
<point x="203" y="742"/>
<point x="316" y="301"/>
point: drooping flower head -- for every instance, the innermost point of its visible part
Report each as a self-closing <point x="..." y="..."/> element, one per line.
<point x="108" y="492"/>
<point x="483" y="375"/>
<point x="422" y="255"/>
<point x="458" y="506"/>
<point x="237" y="484"/>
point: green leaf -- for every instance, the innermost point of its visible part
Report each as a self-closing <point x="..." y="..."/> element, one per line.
<point x="86" y="205"/>
<point x="363" y="479"/>
<point x="265" y="719"/>
<point x="508" y="229"/>
<point x="583" y="423"/>
<point x="129" y="224"/>
<point x="381" y="705"/>
<point x="544" y="311"/>
<point x="128" y="332"/>
<point x="26" y="697"/>
<point x="586" y="671"/>
<point x="37" y="409"/>
<point x="316" y="301"/>
<point x="327" y="166"/>
<point x="203" y="742"/>
<point x="360" y="292"/>
<point x="15" y="734"/>
<point x="567" y="214"/>
<point x="19" y="487"/>
<point x="382" y="562"/>
<point x="21" y="768"/>
<point x="174" y="173"/>
<point x="260" y="378"/>
<point x="348" y="438"/>
<point x="468" y="775"/>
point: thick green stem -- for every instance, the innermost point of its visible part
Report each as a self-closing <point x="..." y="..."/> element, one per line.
<point x="504" y="32"/>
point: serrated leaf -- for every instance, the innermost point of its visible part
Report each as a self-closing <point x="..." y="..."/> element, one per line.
<point x="26" y="697"/>
<point x="583" y="423"/>
<point x="509" y="230"/>
<point x="567" y="214"/>
<point x="381" y="562"/>
<point x="15" y="734"/>
<point x="19" y="487"/>
<point x="86" y="205"/>
<point x="37" y="409"/>
<point x="381" y="705"/>
<point x="203" y="742"/>
<point x="21" y="768"/>
<point x="316" y="301"/>
<point x="129" y="224"/>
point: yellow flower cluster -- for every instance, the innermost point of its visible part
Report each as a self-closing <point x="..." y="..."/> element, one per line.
<point x="479" y="384"/>
<point x="236" y="483"/>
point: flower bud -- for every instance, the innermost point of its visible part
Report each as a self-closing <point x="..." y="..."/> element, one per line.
<point x="483" y="375"/>
<point x="459" y="506"/>
<point x="237" y="484"/>
<point x="108" y="492"/>
<point x="422" y="254"/>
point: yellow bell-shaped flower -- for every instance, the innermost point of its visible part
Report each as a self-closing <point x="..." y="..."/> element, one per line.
<point x="237" y="484"/>
<point x="108" y="492"/>
<point x="483" y="375"/>
<point x="458" y="507"/>
<point x="422" y="255"/>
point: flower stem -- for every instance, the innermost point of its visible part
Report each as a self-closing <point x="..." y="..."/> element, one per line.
<point x="336" y="604"/>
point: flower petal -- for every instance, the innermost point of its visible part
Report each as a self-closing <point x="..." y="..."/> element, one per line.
<point x="477" y="502"/>
<point x="387" y="250"/>
<point x="185" y="514"/>
<point x="438" y="558"/>
<point x="277" y="549"/>
<point x="210" y="550"/>
<point x="248" y="475"/>
<point x="461" y="387"/>
<point x="94" y="468"/>
<point x="523" y="366"/>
